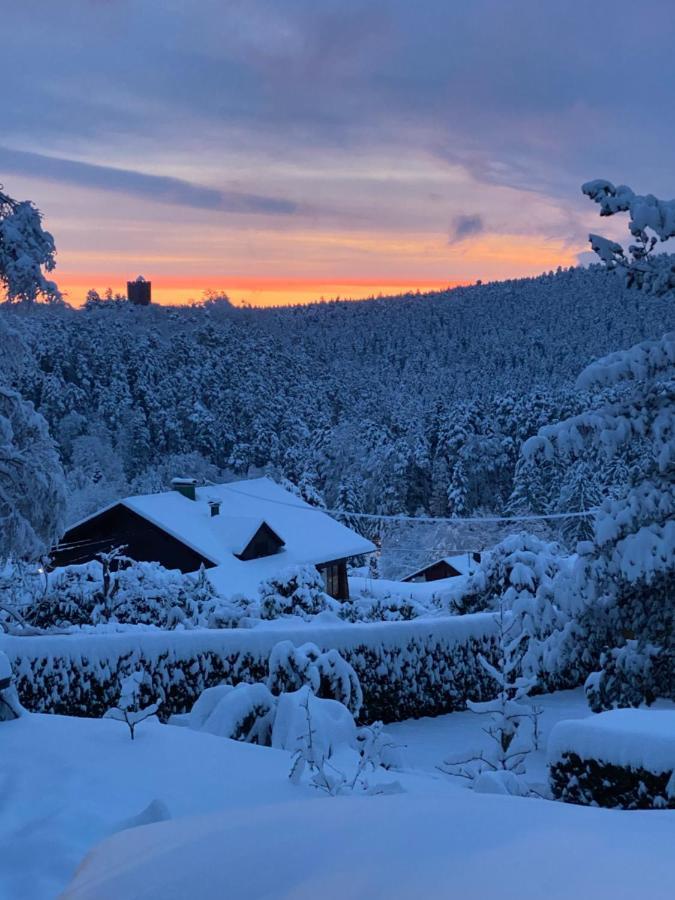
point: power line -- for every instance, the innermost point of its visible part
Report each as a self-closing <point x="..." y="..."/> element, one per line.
<point x="429" y="520"/>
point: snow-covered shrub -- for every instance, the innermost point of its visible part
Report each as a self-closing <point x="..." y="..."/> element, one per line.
<point x="298" y="591"/>
<point x="511" y="720"/>
<point x="622" y="758"/>
<point x="405" y="669"/>
<point x="387" y="608"/>
<point x="137" y="593"/>
<point x="635" y="673"/>
<point x="10" y="707"/>
<point x="501" y="781"/>
<point x="317" y="732"/>
<point x="326" y="673"/>
<point x="130" y="708"/>
<point x="332" y="723"/>
<point x="244" y="712"/>
<point x="377" y="748"/>
<point x="523" y="573"/>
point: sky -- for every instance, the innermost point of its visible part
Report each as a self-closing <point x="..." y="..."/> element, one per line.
<point x="286" y="150"/>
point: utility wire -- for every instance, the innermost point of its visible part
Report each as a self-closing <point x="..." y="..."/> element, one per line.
<point x="437" y="520"/>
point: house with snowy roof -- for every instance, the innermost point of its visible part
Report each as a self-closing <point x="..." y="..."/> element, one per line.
<point x="447" y="567"/>
<point x="241" y="532"/>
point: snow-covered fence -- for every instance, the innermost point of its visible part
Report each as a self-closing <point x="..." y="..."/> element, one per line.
<point x="620" y="758"/>
<point x="406" y="669"/>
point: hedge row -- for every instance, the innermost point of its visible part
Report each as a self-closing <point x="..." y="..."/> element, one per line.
<point x="590" y="782"/>
<point x="406" y="669"/>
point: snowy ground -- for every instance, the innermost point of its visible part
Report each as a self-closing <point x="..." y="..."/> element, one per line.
<point x="428" y="741"/>
<point x="238" y="828"/>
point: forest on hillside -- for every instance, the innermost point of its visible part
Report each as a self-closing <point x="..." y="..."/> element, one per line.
<point x="416" y="404"/>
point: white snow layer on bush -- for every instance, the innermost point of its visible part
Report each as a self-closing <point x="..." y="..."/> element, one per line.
<point x="635" y="738"/>
<point x="5" y="668"/>
<point x="331" y="723"/>
<point x="107" y="649"/>
<point x="228" y="716"/>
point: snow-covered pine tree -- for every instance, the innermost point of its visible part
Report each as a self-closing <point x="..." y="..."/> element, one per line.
<point x="25" y="249"/>
<point x="650" y="221"/>
<point x="511" y="719"/>
<point x="625" y="576"/>
<point x="579" y="493"/>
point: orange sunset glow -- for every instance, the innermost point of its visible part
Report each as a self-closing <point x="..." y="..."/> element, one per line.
<point x="176" y="281"/>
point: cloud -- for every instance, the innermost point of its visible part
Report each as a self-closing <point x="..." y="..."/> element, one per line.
<point x="466" y="226"/>
<point x="160" y="188"/>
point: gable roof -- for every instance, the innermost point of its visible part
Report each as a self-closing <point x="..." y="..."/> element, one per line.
<point x="309" y="535"/>
<point x="463" y="563"/>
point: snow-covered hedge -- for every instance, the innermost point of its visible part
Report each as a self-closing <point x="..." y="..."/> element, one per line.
<point x="621" y="758"/>
<point x="406" y="669"/>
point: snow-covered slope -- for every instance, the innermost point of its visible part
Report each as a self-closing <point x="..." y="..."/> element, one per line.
<point x="240" y="829"/>
<point x="408" y="846"/>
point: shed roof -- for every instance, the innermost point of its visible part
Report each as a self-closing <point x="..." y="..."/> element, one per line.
<point x="461" y="562"/>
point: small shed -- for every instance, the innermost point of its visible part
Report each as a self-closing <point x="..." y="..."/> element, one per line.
<point x="451" y="566"/>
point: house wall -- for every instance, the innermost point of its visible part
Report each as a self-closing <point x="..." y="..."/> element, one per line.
<point x="118" y="526"/>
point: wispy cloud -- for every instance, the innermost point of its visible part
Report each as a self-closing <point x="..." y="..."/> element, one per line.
<point x="160" y="188"/>
<point x="465" y="226"/>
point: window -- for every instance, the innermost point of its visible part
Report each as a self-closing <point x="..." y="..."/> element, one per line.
<point x="331" y="578"/>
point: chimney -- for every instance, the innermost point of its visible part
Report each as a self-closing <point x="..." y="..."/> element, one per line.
<point x="139" y="292"/>
<point x="185" y="486"/>
<point x="214" y="506"/>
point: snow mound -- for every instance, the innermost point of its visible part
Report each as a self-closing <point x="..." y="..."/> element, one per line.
<point x="402" y="846"/>
<point x="635" y="738"/>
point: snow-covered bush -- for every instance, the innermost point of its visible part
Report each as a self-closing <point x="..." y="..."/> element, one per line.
<point x="405" y="669"/>
<point x="622" y="758"/>
<point x="511" y="720"/>
<point x="130" y="708"/>
<point x="136" y="593"/>
<point x="332" y="723"/>
<point x="387" y="608"/>
<point x="244" y="712"/>
<point x="317" y="731"/>
<point x="298" y="591"/>
<point x="523" y="573"/>
<point x="10" y="707"/>
<point x="25" y="249"/>
<point x="377" y="748"/>
<point x="326" y="673"/>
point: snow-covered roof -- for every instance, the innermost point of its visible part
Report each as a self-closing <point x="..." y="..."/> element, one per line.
<point x="309" y="535"/>
<point x="464" y="563"/>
